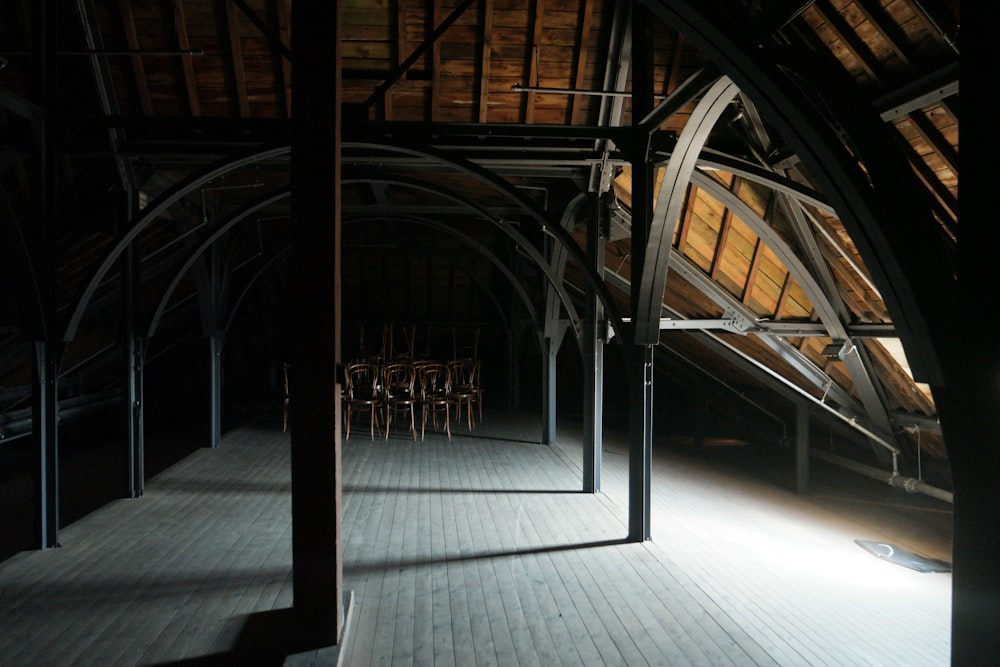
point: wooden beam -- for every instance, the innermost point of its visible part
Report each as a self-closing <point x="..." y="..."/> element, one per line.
<point x="685" y="221"/>
<point x="536" y="41"/>
<point x="720" y="245"/>
<point x="239" y="73"/>
<point x="436" y="65"/>
<point x="484" y="61"/>
<point x="187" y="64"/>
<point x="138" y="68"/>
<point x="284" y="30"/>
<point x="935" y="140"/>
<point x="752" y="274"/>
<point x="884" y="24"/>
<point x="724" y="227"/>
<point x="783" y="296"/>
<point x="674" y="77"/>
<point x="846" y="35"/>
<point x="578" y="102"/>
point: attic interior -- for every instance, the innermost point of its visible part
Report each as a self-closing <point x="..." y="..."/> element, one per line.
<point x="754" y="204"/>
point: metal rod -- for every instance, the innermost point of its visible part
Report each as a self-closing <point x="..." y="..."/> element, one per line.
<point x="114" y="52"/>
<point x="518" y="88"/>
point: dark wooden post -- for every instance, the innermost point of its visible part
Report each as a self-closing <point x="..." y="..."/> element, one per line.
<point x="317" y="563"/>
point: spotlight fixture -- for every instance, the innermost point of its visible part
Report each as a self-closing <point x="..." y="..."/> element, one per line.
<point x="837" y="349"/>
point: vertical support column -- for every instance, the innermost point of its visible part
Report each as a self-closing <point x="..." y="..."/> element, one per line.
<point x="45" y="375"/>
<point x="45" y="433"/>
<point x="132" y="345"/>
<point x="136" y="447"/>
<point x="134" y="349"/>
<point x="640" y="453"/>
<point x="640" y="356"/>
<point x="549" y="368"/>
<point x="317" y="550"/>
<point x="593" y="359"/>
<point x="215" y="345"/>
<point x="801" y="448"/>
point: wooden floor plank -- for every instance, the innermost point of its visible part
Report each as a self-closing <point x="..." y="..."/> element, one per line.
<point x="482" y="550"/>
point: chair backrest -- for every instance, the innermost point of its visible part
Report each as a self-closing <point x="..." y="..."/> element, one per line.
<point x="363" y="380"/>
<point x="398" y="379"/>
<point x="435" y="381"/>
<point x="462" y="372"/>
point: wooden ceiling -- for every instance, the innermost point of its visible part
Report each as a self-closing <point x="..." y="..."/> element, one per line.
<point x="531" y="93"/>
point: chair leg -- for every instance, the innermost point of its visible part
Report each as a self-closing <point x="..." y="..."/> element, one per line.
<point x="347" y="422"/>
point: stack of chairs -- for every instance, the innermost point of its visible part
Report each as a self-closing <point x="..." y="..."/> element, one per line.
<point x="400" y="392"/>
<point x="390" y="385"/>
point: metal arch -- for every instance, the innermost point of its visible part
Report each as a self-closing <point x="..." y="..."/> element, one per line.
<point x="825" y="309"/>
<point x="491" y="179"/>
<point x="468" y="240"/>
<point x="266" y="264"/>
<point x="670" y="201"/>
<point x="151" y="212"/>
<point x="254" y="206"/>
<point x="873" y="203"/>
<point x="757" y="174"/>
<point x="842" y="404"/>
<point x="512" y="233"/>
<point x="615" y="78"/>
<point x="558" y="265"/>
<point x="476" y="279"/>
<point x="238" y="301"/>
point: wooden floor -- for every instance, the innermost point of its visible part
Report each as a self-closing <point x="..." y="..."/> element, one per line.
<point x="482" y="551"/>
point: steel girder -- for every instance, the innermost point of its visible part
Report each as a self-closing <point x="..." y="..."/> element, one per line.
<point x="475" y="245"/>
<point x="875" y="203"/>
<point x="151" y="212"/>
<point x="670" y="201"/>
<point x="553" y="278"/>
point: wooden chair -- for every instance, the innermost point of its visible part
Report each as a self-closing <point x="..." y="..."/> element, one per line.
<point x="435" y="395"/>
<point x="463" y="389"/>
<point x="362" y="393"/>
<point x="399" y="380"/>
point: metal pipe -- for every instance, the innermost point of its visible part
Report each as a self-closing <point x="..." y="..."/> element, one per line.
<point x="518" y="88"/>
<point x="891" y="478"/>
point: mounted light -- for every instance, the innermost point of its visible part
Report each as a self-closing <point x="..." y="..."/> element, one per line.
<point x="837" y="349"/>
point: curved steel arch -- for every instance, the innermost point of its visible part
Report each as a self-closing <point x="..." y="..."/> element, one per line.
<point x="516" y="236"/>
<point x="479" y="283"/>
<point x="670" y="201"/>
<point x="151" y="212"/>
<point x="875" y="202"/>
<point x="266" y="264"/>
<point x="821" y="301"/>
<point x="238" y="301"/>
<point x="261" y="202"/>
<point x="558" y="264"/>
<point x="493" y="259"/>
<point x="491" y="179"/>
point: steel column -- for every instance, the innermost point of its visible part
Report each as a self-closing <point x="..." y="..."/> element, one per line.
<point x="45" y="433"/>
<point x="638" y="353"/>
<point x="45" y="375"/>
<point x="133" y="348"/>
<point x="215" y="345"/>
<point x="593" y="359"/>
<point x="549" y="367"/>
<point x="314" y="403"/>
<point x="640" y="451"/>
